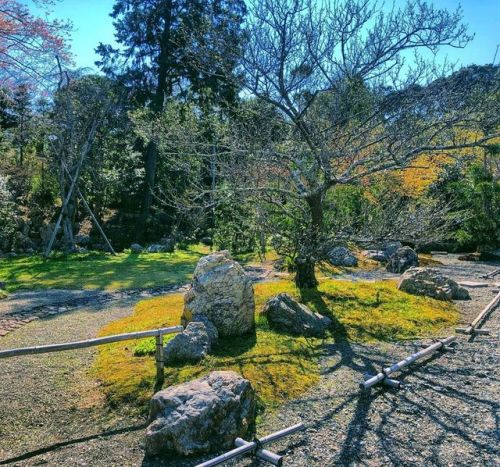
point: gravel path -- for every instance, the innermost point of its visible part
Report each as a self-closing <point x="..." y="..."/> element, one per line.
<point x="51" y="411"/>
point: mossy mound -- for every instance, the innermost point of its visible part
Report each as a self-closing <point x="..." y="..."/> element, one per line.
<point x="280" y="366"/>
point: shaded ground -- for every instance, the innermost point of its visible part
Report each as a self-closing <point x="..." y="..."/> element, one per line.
<point x="447" y="415"/>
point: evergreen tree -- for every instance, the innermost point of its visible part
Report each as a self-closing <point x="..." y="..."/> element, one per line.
<point x="173" y="48"/>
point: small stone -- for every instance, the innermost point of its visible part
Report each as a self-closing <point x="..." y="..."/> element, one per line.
<point x="191" y="345"/>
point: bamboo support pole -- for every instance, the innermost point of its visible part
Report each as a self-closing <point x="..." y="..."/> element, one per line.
<point x="472" y="328"/>
<point x="263" y="454"/>
<point x="89" y="210"/>
<point x="491" y="274"/>
<point x="380" y="377"/>
<point x="250" y="446"/>
<point x="89" y="342"/>
<point x="160" y="359"/>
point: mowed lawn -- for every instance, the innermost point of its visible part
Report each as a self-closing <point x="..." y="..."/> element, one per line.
<point x="96" y="270"/>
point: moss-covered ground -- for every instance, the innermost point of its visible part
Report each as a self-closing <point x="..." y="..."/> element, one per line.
<point x="279" y="366"/>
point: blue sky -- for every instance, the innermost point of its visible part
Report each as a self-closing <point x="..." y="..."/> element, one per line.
<point x="92" y="25"/>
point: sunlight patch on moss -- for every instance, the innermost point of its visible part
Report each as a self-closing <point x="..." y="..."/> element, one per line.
<point x="280" y="366"/>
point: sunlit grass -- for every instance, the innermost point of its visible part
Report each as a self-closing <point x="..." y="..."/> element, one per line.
<point x="280" y="366"/>
<point x="97" y="270"/>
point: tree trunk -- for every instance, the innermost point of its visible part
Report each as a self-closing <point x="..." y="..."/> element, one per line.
<point x="151" y="157"/>
<point x="305" y="277"/>
<point x="305" y="262"/>
<point x="163" y="89"/>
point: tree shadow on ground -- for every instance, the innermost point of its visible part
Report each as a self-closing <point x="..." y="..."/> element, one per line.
<point x="70" y="442"/>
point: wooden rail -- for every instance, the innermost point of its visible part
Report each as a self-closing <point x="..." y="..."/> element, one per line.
<point x="473" y="327"/>
<point x="158" y="333"/>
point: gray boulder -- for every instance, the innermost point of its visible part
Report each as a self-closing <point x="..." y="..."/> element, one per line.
<point x="222" y="292"/>
<point x="191" y="345"/>
<point x="212" y="332"/>
<point x="200" y="416"/>
<point x="403" y="259"/>
<point x="135" y="248"/>
<point x="342" y="256"/>
<point x="390" y="248"/>
<point x="431" y="283"/>
<point x="157" y="248"/>
<point x="286" y="314"/>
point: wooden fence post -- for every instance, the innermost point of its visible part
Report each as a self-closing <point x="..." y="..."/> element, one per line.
<point x="160" y="360"/>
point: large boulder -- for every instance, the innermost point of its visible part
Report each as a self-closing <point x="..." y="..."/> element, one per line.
<point x="342" y="256"/>
<point x="287" y="315"/>
<point x="391" y="247"/>
<point x="200" y="416"/>
<point x="403" y="259"/>
<point x="222" y="292"/>
<point x="191" y="345"/>
<point x="431" y="283"/>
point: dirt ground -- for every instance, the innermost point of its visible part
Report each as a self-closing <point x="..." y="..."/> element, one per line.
<point x="53" y="413"/>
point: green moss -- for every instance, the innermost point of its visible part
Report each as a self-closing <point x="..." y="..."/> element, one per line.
<point x="280" y="366"/>
<point x="96" y="270"/>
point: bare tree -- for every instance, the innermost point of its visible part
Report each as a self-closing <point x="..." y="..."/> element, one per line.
<point x="357" y="97"/>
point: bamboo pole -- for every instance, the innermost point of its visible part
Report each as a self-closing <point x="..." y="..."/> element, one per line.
<point x="406" y="362"/>
<point x="491" y="274"/>
<point x="263" y="454"/>
<point x="472" y="328"/>
<point x="89" y="210"/>
<point x="89" y="342"/>
<point x="252" y="445"/>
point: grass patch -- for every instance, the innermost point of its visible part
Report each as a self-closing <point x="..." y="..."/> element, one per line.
<point x="3" y="294"/>
<point x="98" y="270"/>
<point x="279" y="366"/>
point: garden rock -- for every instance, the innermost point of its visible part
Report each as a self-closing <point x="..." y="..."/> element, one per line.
<point x="156" y="248"/>
<point x="135" y="248"/>
<point x="222" y="292"/>
<point x="342" y="256"/>
<point x="403" y="259"/>
<point x="213" y="334"/>
<point x="191" y="345"/>
<point x="200" y="416"/>
<point x="286" y="314"/>
<point x="391" y="248"/>
<point x="431" y="283"/>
